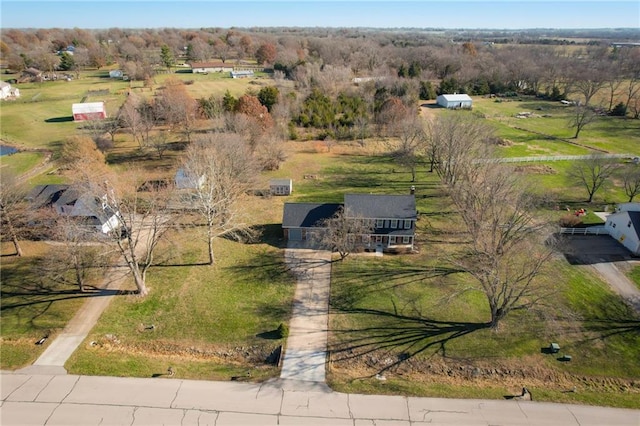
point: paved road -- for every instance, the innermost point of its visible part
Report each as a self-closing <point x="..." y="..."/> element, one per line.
<point x="306" y="349"/>
<point x="86" y="400"/>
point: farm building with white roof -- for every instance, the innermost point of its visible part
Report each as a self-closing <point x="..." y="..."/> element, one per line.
<point x="455" y="101"/>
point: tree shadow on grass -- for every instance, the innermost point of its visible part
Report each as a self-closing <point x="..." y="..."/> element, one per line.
<point x="400" y="337"/>
<point x="59" y="119"/>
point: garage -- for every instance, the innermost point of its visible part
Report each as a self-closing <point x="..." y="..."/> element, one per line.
<point x="295" y="234"/>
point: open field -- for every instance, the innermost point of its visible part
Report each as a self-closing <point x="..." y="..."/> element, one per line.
<point x="216" y="322"/>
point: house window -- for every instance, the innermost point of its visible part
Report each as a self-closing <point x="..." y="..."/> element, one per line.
<point x="378" y="238"/>
<point x="394" y="224"/>
<point x="407" y="224"/>
<point x="379" y="223"/>
<point x="406" y="239"/>
<point x="392" y="240"/>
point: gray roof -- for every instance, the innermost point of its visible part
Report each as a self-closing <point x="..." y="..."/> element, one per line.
<point x="635" y="220"/>
<point x="46" y="195"/>
<point x="376" y="206"/>
<point x="280" y="182"/>
<point x="306" y="215"/>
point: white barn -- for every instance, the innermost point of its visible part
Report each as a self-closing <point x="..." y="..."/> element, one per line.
<point x="88" y="111"/>
<point x="455" y="101"/>
<point x="624" y="226"/>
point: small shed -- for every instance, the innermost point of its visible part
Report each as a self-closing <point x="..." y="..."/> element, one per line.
<point x="281" y="186"/>
<point x="89" y="111"/>
<point x="455" y="101"/>
<point x="116" y="74"/>
<point x="185" y="180"/>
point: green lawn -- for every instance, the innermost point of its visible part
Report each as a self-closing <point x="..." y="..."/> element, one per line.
<point x="33" y="304"/>
<point x="401" y="308"/>
<point x="611" y="134"/>
<point x="201" y="314"/>
<point x="634" y="274"/>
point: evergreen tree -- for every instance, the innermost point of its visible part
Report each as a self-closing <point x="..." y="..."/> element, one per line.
<point x="166" y="56"/>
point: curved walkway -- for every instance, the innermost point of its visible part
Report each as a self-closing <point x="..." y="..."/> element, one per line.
<point x="87" y="400"/>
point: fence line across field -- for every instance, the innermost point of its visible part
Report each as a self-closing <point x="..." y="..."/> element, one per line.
<point x="553" y="158"/>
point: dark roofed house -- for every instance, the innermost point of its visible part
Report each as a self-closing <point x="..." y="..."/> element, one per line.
<point x="299" y="219"/>
<point x="69" y="201"/>
<point x="392" y="218"/>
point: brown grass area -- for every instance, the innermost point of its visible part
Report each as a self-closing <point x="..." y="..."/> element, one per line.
<point x="510" y="374"/>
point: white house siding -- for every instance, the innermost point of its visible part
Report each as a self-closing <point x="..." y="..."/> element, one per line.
<point x="621" y="228"/>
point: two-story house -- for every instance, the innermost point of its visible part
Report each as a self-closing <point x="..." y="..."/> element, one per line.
<point x="392" y="219"/>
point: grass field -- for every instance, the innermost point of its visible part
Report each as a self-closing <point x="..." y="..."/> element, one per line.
<point x="33" y="304"/>
<point x="210" y="322"/>
<point x="216" y="322"/>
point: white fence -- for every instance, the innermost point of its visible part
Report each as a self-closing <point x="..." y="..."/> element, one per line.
<point x="554" y="158"/>
<point x="592" y="230"/>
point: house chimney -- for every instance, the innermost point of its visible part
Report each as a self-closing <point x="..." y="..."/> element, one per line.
<point x="412" y="190"/>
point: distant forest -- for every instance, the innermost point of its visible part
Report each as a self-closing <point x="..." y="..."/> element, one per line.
<point x="421" y="63"/>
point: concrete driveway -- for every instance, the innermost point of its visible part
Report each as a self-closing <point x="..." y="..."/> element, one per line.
<point x="306" y="349"/>
<point x="607" y="258"/>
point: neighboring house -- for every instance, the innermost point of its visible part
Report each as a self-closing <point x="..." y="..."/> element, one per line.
<point x="624" y="226"/>
<point x="89" y="111"/>
<point x="184" y="180"/>
<point x="393" y="218"/>
<point x="8" y="92"/>
<point x="281" y="186"/>
<point x="455" y="101"/>
<point x="242" y="74"/>
<point x="205" y="67"/>
<point x="67" y="201"/>
<point x="116" y="74"/>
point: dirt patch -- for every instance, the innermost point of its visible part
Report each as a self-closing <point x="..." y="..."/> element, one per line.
<point x="239" y="355"/>
<point x="510" y="375"/>
<point x="535" y="169"/>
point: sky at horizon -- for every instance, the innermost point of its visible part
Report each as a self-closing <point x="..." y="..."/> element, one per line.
<point x="470" y="14"/>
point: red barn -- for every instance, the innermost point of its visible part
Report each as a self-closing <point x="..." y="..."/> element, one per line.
<point x="89" y="111"/>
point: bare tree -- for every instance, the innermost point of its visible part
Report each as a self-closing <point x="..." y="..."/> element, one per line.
<point x="78" y="255"/>
<point x="143" y="219"/>
<point x="581" y="118"/>
<point x="12" y="211"/>
<point x="131" y="119"/>
<point x="631" y="181"/>
<point x="454" y="141"/>
<point x="592" y="173"/>
<point x="176" y="107"/>
<point x="412" y="140"/>
<point x="221" y="169"/>
<point x="508" y="249"/>
<point x="343" y="233"/>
